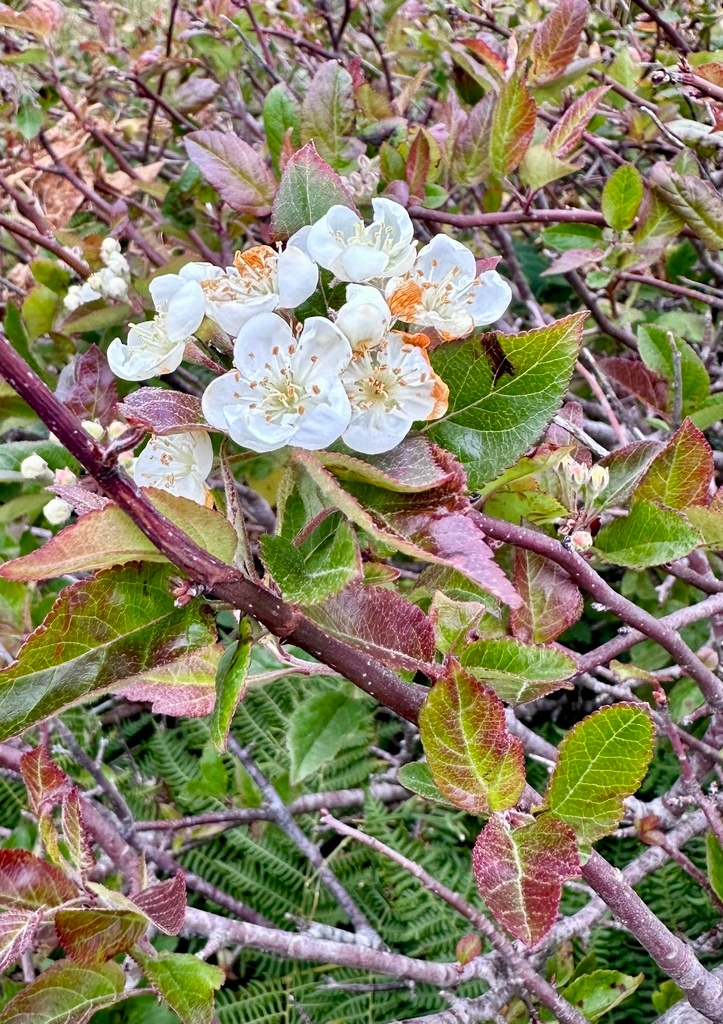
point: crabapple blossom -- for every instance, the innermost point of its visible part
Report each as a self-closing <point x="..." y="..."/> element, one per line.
<point x="286" y="388"/>
<point x="260" y="280"/>
<point x="353" y="251"/>
<point x="389" y="387"/>
<point x="177" y="463"/>
<point x="365" y="318"/>
<point x="443" y="290"/>
<point x="148" y="352"/>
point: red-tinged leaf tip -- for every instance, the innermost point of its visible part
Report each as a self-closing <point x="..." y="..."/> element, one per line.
<point x="45" y="782"/>
<point x="550" y="601"/>
<point x="309" y="188"/>
<point x="30" y="883"/>
<point x="164" y="904"/>
<point x="468" y="947"/>
<point x="75" y="833"/>
<point x="682" y="473"/>
<point x="520" y="872"/>
<point x="557" y="38"/>
<point x="475" y="762"/>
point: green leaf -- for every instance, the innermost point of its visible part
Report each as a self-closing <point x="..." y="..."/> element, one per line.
<point x="504" y="390"/>
<point x="94" y="936"/>
<point x="417" y="778"/>
<point x="649" y="535"/>
<point x="654" y="345"/>
<point x="280" y="113"/>
<point x="184" y="688"/>
<point x="519" y="866"/>
<point x="573" y="236"/>
<point x="66" y="993"/>
<point x="38" y="310"/>
<point x="237" y="172"/>
<point x="714" y="863"/>
<point x="322" y="566"/>
<point x="539" y="167"/>
<point x="470" y="158"/>
<point x="596" y="993"/>
<point x="107" y="537"/>
<point x="453" y="621"/>
<point x="99" y="319"/>
<point x="602" y="760"/>
<point x="29" y="117"/>
<point x="52" y="274"/>
<point x="666" y="995"/>
<point x="185" y="982"/>
<point x="231" y="684"/>
<point x="626" y="467"/>
<point x="513" y="123"/>
<point x="557" y="39"/>
<point x="696" y="202"/>
<point x="682" y="473"/>
<point x="621" y="197"/>
<point x="708" y="413"/>
<point x="709" y="524"/>
<point x="475" y="762"/>
<point x="517" y="672"/>
<point x="320" y="726"/>
<point x="13" y="453"/>
<point x="657" y="225"/>
<point x="566" y="133"/>
<point x="327" y="113"/>
<point x="309" y="187"/>
<point x="120" y="622"/>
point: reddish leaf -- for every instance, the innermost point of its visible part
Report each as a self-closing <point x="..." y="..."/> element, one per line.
<point x="237" y="172"/>
<point x="468" y="947"/>
<point x="712" y="72"/>
<point x="80" y="499"/>
<point x="18" y="929"/>
<point x="87" y="387"/>
<point x="162" y="411"/>
<point x="682" y="474"/>
<point x="31" y="883"/>
<point x="75" y="833"/>
<point x="381" y="622"/>
<point x="93" y="936"/>
<point x="513" y="125"/>
<point x="45" y="782"/>
<point x="486" y="51"/>
<point x="475" y="762"/>
<point x="164" y="904"/>
<point x="308" y="189"/>
<point x="185" y="688"/>
<point x="568" y="131"/>
<point x="520" y="871"/>
<point x="551" y="602"/>
<point x="418" y="164"/>
<point x="414" y="465"/>
<point x="634" y="378"/>
<point x="557" y="38"/>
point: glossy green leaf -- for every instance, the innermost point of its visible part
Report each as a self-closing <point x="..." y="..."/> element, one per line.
<point x="709" y="524"/>
<point x="107" y="537"/>
<point x="597" y="993"/>
<point x="695" y="201"/>
<point x="38" y="310"/>
<point x="281" y="114"/>
<point x="320" y="726"/>
<point x="682" y="473"/>
<point x="602" y="760"/>
<point x="327" y="113"/>
<point x="66" y="993"/>
<point x="621" y="197"/>
<point x="320" y="567"/>
<point x="714" y="863"/>
<point x="515" y="671"/>
<point x="649" y="535"/>
<point x="475" y="762"/>
<point x="504" y="390"/>
<point x="417" y="778"/>
<point x="231" y="684"/>
<point x="100" y="629"/>
<point x="94" y="936"/>
<point x="309" y="187"/>
<point x="539" y="167"/>
<point x="185" y="982"/>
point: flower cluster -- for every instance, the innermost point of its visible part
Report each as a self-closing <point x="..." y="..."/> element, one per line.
<point x="109" y="283"/>
<point x="361" y="373"/>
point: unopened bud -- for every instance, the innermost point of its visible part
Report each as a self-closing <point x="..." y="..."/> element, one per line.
<point x="94" y="428"/>
<point x="116" y="288"/>
<point x="577" y="472"/>
<point x="599" y="479"/>
<point x="108" y="246"/>
<point x="35" y="468"/>
<point x="57" y="511"/>
<point x="65" y="478"/>
<point x="581" y="540"/>
<point x="115" y="429"/>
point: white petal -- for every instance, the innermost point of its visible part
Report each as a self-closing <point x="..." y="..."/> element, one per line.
<point x="231" y="316"/>
<point x="322" y="242"/>
<point x="374" y="431"/>
<point x="322" y="339"/>
<point x="185" y="312"/>
<point x="200" y="272"/>
<point x="362" y="263"/>
<point x="221" y="393"/>
<point x="389" y="212"/>
<point x="365" y="319"/>
<point x="445" y="256"/>
<point x="163" y="288"/>
<point x="298" y="277"/>
<point x="256" y="341"/>
<point x="300" y="239"/>
<point x="490" y="298"/>
<point x="202" y="450"/>
<point x="252" y="430"/>
<point x="323" y="425"/>
<point x="130" y="362"/>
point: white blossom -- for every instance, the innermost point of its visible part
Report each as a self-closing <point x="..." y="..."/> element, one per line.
<point x="444" y="291"/>
<point x="286" y="389"/>
<point x="177" y="463"/>
<point x="57" y="511"/>
<point x="260" y="281"/>
<point x="148" y="352"/>
<point x="341" y="242"/>
<point x="389" y="388"/>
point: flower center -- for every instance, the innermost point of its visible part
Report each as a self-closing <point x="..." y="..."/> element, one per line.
<point x="282" y="396"/>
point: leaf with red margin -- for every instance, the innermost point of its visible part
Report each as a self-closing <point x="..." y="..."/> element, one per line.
<point x="94" y="936"/>
<point x="18" y="929"/>
<point x="682" y="473"/>
<point x="308" y="189"/>
<point x="413" y="466"/>
<point x="45" y="782"/>
<point x="634" y="378"/>
<point x="626" y="467"/>
<point x="237" y="172"/>
<point x="87" y="387"/>
<point x="164" y="904"/>
<point x="557" y="39"/>
<point x="475" y="762"/>
<point x="30" y="883"/>
<point x="162" y="411"/>
<point x="512" y="127"/>
<point x="75" y="833"/>
<point x="568" y="131"/>
<point x="551" y="602"/>
<point x="381" y="622"/>
<point x="185" y="688"/>
<point x="66" y="993"/>
<point x="520" y="869"/>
